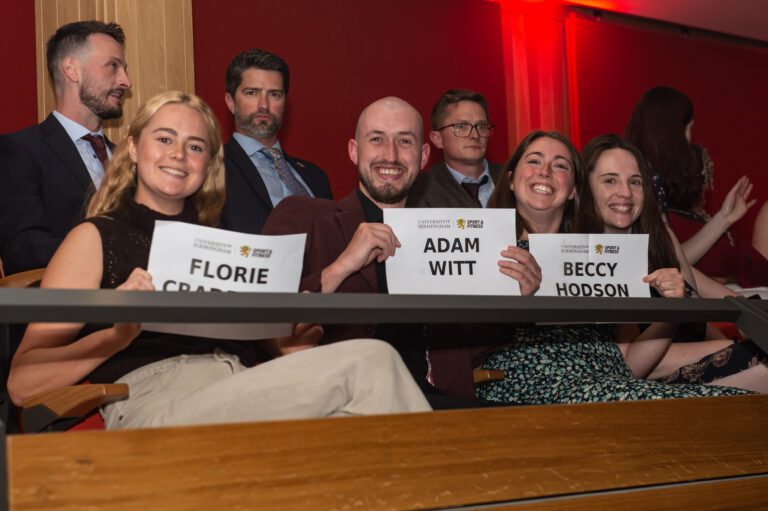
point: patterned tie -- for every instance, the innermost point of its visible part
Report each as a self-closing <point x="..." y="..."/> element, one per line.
<point x="98" y="144"/>
<point x="284" y="172"/>
<point x="473" y="189"/>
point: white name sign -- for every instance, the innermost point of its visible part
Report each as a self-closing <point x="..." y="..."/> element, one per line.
<point x="187" y="257"/>
<point x="450" y="251"/>
<point x="603" y="265"/>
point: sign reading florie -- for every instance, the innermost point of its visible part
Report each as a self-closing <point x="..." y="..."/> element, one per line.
<point x="187" y="257"/>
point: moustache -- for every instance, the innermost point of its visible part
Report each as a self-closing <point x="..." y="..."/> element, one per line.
<point x="386" y="163"/>
<point x="253" y="116"/>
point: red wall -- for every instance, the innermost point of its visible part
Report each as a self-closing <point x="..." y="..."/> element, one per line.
<point x="344" y="54"/>
<point x="18" y="88"/>
<point x="612" y="63"/>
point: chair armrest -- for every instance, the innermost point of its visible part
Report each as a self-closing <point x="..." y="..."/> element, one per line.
<point x="29" y="278"/>
<point x="77" y="400"/>
<point x="60" y="408"/>
<point x="487" y="375"/>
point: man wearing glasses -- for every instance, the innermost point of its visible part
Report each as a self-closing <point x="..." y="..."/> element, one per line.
<point x="464" y="179"/>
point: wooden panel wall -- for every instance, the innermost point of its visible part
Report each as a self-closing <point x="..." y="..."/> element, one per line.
<point x="158" y="47"/>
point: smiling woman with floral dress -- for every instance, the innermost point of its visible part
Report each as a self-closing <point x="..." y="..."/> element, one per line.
<point x="568" y="363"/>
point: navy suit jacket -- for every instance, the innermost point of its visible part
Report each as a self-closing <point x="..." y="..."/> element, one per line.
<point x="248" y="203"/>
<point x="44" y="186"/>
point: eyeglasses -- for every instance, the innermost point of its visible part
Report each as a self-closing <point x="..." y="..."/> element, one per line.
<point x="464" y="129"/>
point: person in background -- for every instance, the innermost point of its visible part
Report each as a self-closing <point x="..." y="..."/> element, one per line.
<point x="660" y="126"/>
<point x="48" y="171"/>
<point x="464" y="179"/>
<point x="259" y="174"/>
<point x="760" y="233"/>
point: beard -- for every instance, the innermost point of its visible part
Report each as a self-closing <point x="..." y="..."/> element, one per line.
<point x="387" y="193"/>
<point x="258" y="129"/>
<point x="97" y="101"/>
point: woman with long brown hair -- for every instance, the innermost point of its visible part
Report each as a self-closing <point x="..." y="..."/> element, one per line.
<point x="567" y="363"/>
<point x="660" y="126"/>
<point x="617" y="196"/>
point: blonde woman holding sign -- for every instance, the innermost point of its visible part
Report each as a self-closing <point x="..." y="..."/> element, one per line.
<point x="170" y="167"/>
<point x="565" y="363"/>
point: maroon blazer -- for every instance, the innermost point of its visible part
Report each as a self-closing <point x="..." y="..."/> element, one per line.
<point x="329" y="227"/>
<point x="455" y="349"/>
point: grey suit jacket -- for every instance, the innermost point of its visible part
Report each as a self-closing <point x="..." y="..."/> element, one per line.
<point x="436" y="188"/>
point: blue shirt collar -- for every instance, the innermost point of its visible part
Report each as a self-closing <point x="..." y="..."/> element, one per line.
<point x="75" y="130"/>
<point x="461" y="178"/>
<point x="251" y="146"/>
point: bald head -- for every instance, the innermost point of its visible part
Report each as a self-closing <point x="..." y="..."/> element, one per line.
<point x="387" y="107"/>
<point x="389" y="150"/>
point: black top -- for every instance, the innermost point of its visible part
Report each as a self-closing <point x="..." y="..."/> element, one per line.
<point x="374" y="215"/>
<point x="408" y="339"/>
<point x="126" y="236"/>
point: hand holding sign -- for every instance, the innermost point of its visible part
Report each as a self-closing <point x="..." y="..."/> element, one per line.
<point x="138" y="280"/>
<point x="522" y="267"/>
<point x="668" y="282"/>
<point x="371" y="242"/>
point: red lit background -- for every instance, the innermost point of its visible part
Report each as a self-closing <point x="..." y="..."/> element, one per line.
<point x="540" y="67"/>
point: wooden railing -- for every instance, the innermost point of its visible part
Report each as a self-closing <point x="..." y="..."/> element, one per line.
<point x="702" y="453"/>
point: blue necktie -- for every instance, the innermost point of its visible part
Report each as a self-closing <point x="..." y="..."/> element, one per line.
<point x="284" y="172"/>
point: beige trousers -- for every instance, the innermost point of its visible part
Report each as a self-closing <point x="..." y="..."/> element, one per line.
<point x="357" y="377"/>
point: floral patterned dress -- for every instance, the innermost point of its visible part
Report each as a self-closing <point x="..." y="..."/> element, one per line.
<point x="574" y="364"/>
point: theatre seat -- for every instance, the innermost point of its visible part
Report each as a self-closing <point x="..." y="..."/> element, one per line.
<point x="480" y="376"/>
<point x="73" y="407"/>
<point x="29" y="278"/>
<point x="69" y="408"/>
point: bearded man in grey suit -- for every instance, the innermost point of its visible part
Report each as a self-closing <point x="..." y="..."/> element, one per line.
<point x="465" y="179"/>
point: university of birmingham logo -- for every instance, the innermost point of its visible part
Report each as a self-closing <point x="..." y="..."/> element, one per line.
<point x="245" y="251"/>
<point x="461" y="223"/>
<point x="598" y="248"/>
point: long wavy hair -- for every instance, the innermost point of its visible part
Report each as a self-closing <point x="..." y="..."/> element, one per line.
<point x="661" y="251"/>
<point x="657" y="128"/>
<point x="503" y="197"/>
<point x="120" y="176"/>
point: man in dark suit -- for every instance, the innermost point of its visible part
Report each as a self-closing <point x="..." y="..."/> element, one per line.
<point x="348" y="243"/>
<point x="48" y="171"/>
<point x="465" y="179"/>
<point x="258" y="172"/>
